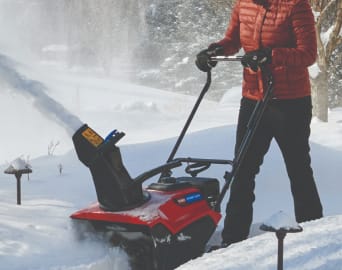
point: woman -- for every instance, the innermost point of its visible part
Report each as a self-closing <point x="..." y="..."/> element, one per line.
<point x="279" y="34"/>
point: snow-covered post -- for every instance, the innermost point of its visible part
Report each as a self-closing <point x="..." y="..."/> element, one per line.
<point x="281" y="224"/>
<point x="18" y="167"/>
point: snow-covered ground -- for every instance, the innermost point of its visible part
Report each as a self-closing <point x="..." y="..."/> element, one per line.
<point x="39" y="233"/>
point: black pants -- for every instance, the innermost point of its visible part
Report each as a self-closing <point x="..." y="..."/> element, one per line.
<point x="288" y="122"/>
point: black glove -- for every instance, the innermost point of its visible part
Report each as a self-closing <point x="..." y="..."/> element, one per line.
<point x="203" y="61"/>
<point x="255" y="59"/>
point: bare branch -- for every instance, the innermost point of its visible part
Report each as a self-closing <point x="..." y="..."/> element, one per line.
<point x="334" y="35"/>
<point x="323" y="12"/>
<point x="325" y="51"/>
<point x="339" y="41"/>
<point x="321" y="59"/>
<point x="52" y="147"/>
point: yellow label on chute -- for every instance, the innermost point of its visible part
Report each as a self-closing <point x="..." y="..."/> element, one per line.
<point x="92" y="137"/>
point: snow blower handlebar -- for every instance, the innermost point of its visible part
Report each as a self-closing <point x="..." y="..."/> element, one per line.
<point x="165" y="167"/>
<point x="194" y="110"/>
<point x="226" y="58"/>
<point x="198" y="166"/>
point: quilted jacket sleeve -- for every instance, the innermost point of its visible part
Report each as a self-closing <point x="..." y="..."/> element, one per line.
<point x="231" y="41"/>
<point x="305" y="51"/>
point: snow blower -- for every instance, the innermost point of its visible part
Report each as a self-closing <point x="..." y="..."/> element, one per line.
<point x="170" y="221"/>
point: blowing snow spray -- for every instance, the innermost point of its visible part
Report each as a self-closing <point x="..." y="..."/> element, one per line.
<point x="37" y="91"/>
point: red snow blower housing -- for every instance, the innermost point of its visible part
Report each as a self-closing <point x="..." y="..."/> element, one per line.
<point x="168" y="222"/>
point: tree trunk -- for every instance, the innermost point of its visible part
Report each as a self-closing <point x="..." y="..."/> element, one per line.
<point x="320" y="96"/>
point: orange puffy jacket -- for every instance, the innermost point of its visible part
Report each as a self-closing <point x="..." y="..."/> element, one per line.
<point x="286" y="26"/>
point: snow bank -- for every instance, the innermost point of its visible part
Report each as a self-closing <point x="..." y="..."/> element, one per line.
<point x="137" y="106"/>
<point x="319" y="246"/>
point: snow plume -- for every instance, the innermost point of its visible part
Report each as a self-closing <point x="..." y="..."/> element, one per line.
<point x="36" y="90"/>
